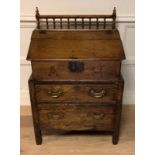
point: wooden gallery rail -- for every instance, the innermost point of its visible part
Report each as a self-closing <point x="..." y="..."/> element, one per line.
<point x="76" y="21"/>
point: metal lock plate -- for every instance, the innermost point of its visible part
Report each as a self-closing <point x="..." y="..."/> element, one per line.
<point x="76" y="66"/>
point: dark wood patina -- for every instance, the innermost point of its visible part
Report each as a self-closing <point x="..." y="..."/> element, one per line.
<point x="76" y="83"/>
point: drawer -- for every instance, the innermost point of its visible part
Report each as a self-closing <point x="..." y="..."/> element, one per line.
<point x="77" y="93"/>
<point x="77" y="117"/>
<point x="76" y="70"/>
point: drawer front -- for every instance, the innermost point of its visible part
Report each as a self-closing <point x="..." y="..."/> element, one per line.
<point x="77" y="93"/>
<point x="76" y="70"/>
<point x="77" y="117"/>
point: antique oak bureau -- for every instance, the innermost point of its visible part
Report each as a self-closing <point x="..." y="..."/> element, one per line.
<point x="76" y="83"/>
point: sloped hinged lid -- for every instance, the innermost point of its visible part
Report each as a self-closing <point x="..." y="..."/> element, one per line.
<point x="72" y="42"/>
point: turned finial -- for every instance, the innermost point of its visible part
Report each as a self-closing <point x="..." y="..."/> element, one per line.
<point x="114" y="12"/>
<point x="37" y="12"/>
<point x="114" y="18"/>
<point x="37" y="17"/>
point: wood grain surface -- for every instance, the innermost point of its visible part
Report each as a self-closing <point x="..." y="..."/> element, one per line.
<point x="77" y="117"/>
<point x="78" y="93"/>
<point x="88" y="47"/>
<point x="92" y="70"/>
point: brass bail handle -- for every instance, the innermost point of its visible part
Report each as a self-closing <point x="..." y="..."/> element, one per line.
<point x="95" y="94"/>
<point x="98" y="115"/>
<point x="55" y="94"/>
<point x="55" y="115"/>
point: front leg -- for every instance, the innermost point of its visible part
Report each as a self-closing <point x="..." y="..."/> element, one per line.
<point x="38" y="135"/>
<point x="37" y="131"/>
<point x="115" y="136"/>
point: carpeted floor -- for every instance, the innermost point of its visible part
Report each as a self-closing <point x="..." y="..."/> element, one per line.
<point x="78" y="144"/>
